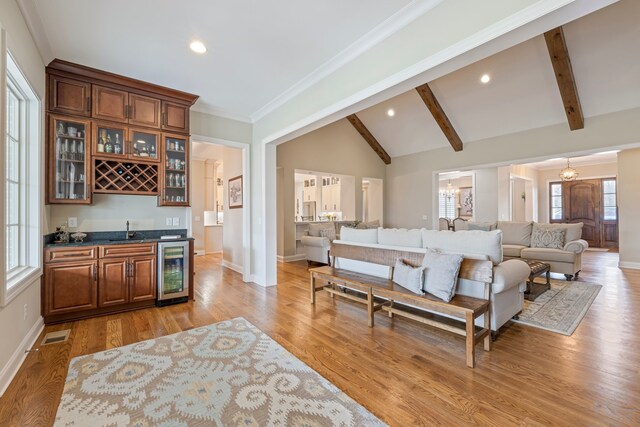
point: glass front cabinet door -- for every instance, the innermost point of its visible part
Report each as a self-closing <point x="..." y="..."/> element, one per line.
<point x="144" y="145"/>
<point x="68" y="160"/>
<point x="176" y="174"/>
<point x="109" y="140"/>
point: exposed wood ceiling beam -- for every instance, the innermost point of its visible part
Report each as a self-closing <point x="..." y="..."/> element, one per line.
<point x="441" y="118"/>
<point x="371" y="140"/>
<point x="564" y="76"/>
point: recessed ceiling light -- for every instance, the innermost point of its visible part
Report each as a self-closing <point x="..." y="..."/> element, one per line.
<point x="390" y="112"/>
<point x="485" y="78"/>
<point x="198" y="46"/>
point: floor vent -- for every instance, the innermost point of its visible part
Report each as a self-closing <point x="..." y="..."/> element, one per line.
<point x="56" y="337"/>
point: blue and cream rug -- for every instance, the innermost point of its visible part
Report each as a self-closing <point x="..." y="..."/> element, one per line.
<point x="561" y="308"/>
<point x="226" y="374"/>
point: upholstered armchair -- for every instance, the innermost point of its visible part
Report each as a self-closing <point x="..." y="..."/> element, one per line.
<point x="318" y="240"/>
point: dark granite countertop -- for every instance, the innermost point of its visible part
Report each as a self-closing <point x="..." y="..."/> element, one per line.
<point x="118" y="238"/>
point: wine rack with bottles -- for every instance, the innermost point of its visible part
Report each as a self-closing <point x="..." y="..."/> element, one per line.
<point x="111" y="176"/>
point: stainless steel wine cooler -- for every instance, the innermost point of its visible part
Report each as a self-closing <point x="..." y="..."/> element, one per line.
<point x="173" y="272"/>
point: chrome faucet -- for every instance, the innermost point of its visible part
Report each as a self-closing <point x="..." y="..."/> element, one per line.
<point x="130" y="234"/>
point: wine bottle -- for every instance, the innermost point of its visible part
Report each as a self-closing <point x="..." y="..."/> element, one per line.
<point x="117" y="148"/>
<point x="108" y="147"/>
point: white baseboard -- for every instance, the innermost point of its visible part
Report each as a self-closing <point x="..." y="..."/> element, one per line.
<point x="291" y="258"/>
<point x="198" y="252"/>
<point x="632" y="265"/>
<point x="232" y="266"/>
<point x="17" y="358"/>
<point x="214" y="252"/>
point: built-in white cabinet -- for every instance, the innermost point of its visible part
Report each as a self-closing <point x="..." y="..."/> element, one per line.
<point x="309" y="191"/>
<point x="333" y="194"/>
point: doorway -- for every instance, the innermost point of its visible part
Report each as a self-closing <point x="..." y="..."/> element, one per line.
<point x="522" y="199"/>
<point x="220" y="209"/>
<point x="592" y="202"/>
<point x="372" y="200"/>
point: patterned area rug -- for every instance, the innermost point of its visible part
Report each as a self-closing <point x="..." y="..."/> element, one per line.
<point x="226" y="374"/>
<point x="561" y="308"/>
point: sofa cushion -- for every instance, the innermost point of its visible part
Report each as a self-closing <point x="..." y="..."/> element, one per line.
<point x="411" y="278"/>
<point x="466" y="242"/>
<point x="515" y="233"/>
<point x="548" y="254"/>
<point x="359" y="236"/>
<point x="400" y="237"/>
<point x="546" y="237"/>
<point x="441" y="273"/>
<point x="314" y="228"/>
<point x="573" y="231"/>
<point x="512" y="250"/>
<point x="329" y="233"/>
<point x="482" y="226"/>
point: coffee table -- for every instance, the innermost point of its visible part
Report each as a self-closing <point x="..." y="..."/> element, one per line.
<point x="534" y="290"/>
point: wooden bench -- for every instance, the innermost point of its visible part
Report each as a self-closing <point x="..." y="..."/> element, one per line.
<point x="383" y="294"/>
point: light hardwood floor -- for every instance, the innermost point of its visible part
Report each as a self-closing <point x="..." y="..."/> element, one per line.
<point x="404" y="372"/>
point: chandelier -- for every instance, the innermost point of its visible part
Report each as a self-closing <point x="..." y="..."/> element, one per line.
<point x="568" y="173"/>
<point x="450" y="192"/>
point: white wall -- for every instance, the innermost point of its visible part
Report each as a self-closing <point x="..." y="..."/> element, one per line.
<point x="409" y="179"/>
<point x="628" y="207"/>
<point x="198" y="200"/>
<point x="14" y="328"/>
<point x="232" y="230"/>
<point x="485" y="200"/>
<point x="545" y="176"/>
<point x="335" y="149"/>
<point x="110" y="212"/>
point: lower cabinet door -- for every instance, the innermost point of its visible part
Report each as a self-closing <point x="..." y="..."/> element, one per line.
<point x="142" y="286"/>
<point x="113" y="285"/>
<point x="70" y="287"/>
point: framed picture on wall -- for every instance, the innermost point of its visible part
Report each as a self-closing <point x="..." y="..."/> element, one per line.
<point x="235" y="192"/>
<point x="466" y="201"/>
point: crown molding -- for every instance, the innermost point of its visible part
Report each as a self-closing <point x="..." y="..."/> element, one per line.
<point x="380" y="32"/>
<point x="34" y="24"/>
<point x="204" y="108"/>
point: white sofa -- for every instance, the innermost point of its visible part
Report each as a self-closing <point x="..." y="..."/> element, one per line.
<point x="516" y="243"/>
<point x="509" y="277"/>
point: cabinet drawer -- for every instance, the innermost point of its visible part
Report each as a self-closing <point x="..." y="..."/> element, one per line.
<point x="127" y="250"/>
<point x="78" y="253"/>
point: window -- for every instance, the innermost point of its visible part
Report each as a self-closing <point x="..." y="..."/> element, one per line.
<point x="555" y="201"/>
<point x="22" y="210"/>
<point x="447" y="206"/>
<point x="609" y="203"/>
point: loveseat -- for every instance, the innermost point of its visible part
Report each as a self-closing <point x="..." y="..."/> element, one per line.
<point x="509" y="277"/>
<point x="527" y="240"/>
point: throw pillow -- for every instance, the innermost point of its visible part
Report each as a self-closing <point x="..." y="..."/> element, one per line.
<point x="480" y="226"/>
<point x="411" y="278"/>
<point x="329" y="233"/>
<point x="441" y="273"/>
<point x="545" y="237"/>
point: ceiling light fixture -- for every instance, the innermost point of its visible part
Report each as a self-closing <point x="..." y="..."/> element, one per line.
<point x="198" y="46"/>
<point x="568" y="173"/>
<point x="486" y="78"/>
<point x="391" y="112"/>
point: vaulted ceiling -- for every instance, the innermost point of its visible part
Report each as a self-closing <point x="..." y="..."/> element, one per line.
<point x="522" y="93"/>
